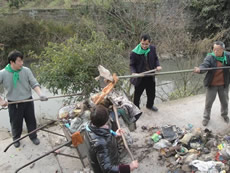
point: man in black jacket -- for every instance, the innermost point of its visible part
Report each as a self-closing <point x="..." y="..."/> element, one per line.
<point x="102" y="146"/>
<point x="144" y="58"/>
<point x="216" y="81"/>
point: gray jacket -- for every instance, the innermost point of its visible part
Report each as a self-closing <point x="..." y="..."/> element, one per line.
<point x="210" y="62"/>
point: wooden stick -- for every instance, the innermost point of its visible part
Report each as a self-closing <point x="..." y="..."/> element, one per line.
<point x="122" y="135"/>
<point x="31" y="100"/>
<point x="170" y="72"/>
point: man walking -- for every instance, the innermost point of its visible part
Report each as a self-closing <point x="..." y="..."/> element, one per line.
<point x="144" y="58"/>
<point x="18" y="80"/>
<point x="216" y="81"/>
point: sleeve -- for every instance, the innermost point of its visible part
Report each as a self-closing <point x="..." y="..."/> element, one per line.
<point x="132" y="63"/>
<point x="206" y="63"/>
<point x="124" y="168"/>
<point x="104" y="160"/>
<point x="156" y="57"/>
<point x="113" y="133"/>
<point x="228" y="58"/>
<point x="32" y="81"/>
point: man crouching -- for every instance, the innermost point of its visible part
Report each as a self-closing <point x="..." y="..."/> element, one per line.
<point x="102" y="146"/>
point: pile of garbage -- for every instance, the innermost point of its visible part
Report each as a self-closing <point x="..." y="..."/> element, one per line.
<point x="74" y="117"/>
<point x="190" y="149"/>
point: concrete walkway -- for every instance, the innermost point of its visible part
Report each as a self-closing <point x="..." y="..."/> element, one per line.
<point x="14" y="158"/>
<point x="179" y="112"/>
<point x="184" y="111"/>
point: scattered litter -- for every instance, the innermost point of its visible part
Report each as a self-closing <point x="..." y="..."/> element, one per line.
<point x="206" y="166"/>
<point x="190" y="126"/>
<point x="163" y="143"/>
<point x="220" y="146"/>
<point x="156" y="137"/>
<point x="169" y="132"/>
<point x="144" y="128"/>
<point x="190" y="149"/>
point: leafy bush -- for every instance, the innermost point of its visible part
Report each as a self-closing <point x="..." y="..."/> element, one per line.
<point x="72" y="66"/>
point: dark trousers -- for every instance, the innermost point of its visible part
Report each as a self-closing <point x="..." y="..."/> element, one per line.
<point x="149" y="85"/>
<point x="19" y="111"/>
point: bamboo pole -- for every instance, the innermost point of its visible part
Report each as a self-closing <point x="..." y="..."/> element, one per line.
<point x="170" y="72"/>
<point x="31" y="100"/>
<point x="150" y="71"/>
<point x="122" y="135"/>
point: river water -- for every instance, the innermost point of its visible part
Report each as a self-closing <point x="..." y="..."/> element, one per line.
<point x="168" y="84"/>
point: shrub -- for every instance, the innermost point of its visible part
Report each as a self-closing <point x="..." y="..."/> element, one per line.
<point x="72" y="66"/>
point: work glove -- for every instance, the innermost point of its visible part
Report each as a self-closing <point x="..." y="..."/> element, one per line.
<point x="43" y="98"/>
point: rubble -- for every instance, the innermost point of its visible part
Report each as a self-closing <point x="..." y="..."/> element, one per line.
<point x="190" y="149"/>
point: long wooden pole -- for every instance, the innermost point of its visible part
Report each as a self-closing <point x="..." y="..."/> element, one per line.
<point x="30" y="100"/>
<point x="122" y="135"/>
<point x="170" y="72"/>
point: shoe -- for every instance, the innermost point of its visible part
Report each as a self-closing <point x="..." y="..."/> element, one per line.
<point x="205" y="122"/>
<point x="226" y="119"/>
<point x="36" y="141"/>
<point x="154" y="108"/>
<point x="17" y="144"/>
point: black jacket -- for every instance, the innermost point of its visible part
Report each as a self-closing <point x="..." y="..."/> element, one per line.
<point x="102" y="151"/>
<point x="210" y="62"/>
<point x="138" y="63"/>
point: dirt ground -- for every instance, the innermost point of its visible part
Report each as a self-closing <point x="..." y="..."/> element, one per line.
<point x="180" y="113"/>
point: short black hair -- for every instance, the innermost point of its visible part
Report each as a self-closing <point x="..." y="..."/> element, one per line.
<point x="220" y="43"/>
<point x="145" y="37"/>
<point x="99" y="115"/>
<point x="13" y="56"/>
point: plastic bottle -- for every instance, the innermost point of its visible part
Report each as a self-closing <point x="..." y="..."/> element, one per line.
<point x="156" y="137"/>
